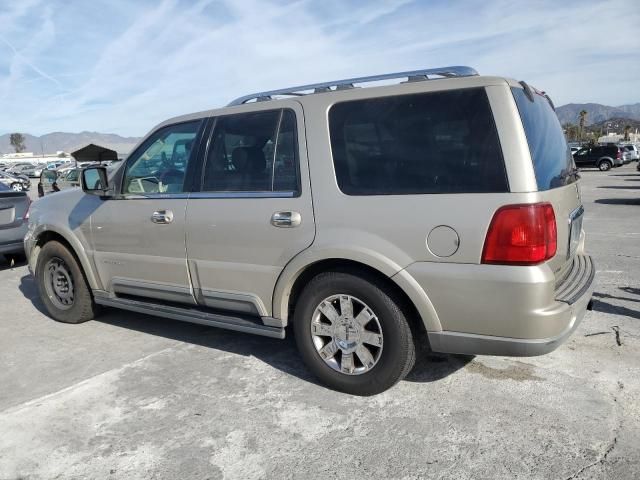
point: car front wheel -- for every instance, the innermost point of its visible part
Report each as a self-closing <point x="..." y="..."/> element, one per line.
<point x="353" y="334"/>
<point x="16" y="187"/>
<point x="62" y="285"/>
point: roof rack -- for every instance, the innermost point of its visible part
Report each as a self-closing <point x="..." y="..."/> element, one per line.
<point x="411" y="76"/>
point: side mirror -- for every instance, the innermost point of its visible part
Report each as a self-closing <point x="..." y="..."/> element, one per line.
<point x="94" y="181"/>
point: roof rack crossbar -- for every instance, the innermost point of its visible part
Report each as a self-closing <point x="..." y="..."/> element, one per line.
<point x="414" y="75"/>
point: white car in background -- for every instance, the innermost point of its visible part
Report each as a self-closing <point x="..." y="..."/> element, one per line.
<point x="631" y="151"/>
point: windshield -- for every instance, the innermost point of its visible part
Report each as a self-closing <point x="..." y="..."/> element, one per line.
<point x="552" y="160"/>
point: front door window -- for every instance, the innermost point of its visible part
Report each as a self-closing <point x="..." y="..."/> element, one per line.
<point x="160" y="165"/>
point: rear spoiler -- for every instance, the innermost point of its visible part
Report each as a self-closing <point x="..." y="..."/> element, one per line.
<point x="530" y="91"/>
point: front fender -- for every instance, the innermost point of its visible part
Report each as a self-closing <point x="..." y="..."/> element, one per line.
<point x="65" y="215"/>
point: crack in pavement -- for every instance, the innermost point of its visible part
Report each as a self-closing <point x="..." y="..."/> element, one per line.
<point x="616" y="329"/>
<point x="611" y="445"/>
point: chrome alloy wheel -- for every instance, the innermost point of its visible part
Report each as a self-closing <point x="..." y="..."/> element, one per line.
<point x="347" y="334"/>
<point x="58" y="283"/>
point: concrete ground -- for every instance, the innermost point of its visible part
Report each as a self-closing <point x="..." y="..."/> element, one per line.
<point x="131" y="396"/>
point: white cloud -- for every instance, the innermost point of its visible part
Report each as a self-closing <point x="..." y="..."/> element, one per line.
<point x="131" y="66"/>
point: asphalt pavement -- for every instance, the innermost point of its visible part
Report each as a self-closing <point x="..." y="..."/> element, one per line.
<point x="131" y="396"/>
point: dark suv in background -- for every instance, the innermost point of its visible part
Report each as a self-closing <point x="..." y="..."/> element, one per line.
<point x="603" y="157"/>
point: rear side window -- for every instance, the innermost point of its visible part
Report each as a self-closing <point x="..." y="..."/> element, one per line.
<point x="253" y="152"/>
<point x="552" y="159"/>
<point x="441" y="142"/>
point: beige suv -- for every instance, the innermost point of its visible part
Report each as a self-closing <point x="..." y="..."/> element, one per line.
<point x="445" y="203"/>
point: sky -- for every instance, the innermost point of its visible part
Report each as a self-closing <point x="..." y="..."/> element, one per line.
<point x="122" y="66"/>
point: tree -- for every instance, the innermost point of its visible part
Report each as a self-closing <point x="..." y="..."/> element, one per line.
<point x="627" y="129"/>
<point x="17" y="142"/>
<point x="583" y="120"/>
<point x="570" y="131"/>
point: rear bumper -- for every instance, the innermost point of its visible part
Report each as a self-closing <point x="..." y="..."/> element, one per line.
<point x="11" y="240"/>
<point x="514" y="313"/>
<point x="470" y="344"/>
<point x="15" y="247"/>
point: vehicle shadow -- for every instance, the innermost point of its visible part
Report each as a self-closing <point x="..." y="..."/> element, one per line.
<point x="631" y="290"/>
<point x="601" y="306"/>
<point x="29" y="289"/>
<point x="604" y="295"/>
<point x="618" y="201"/>
<point x="604" y="307"/>
<point x="280" y="354"/>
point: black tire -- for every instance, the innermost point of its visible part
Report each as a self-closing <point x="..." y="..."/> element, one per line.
<point x="605" y="165"/>
<point x="397" y="357"/>
<point x="82" y="306"/>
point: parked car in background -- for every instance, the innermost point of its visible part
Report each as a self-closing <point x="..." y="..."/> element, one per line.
<point x="15" y="182"/>
<point x="69" y="178"/>
<point x="57" y="165"/>
<point x="48" y="183"/>
<point x="21" y="168"/>
<point x="367" y="218"/>
<point x="604" y="157"/>
<point x="14" y="215"/>
<point x="633" y="152"/>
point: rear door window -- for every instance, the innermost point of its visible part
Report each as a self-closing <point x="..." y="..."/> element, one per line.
<point x="440" y="142"/>
<point x="552" y="159"/>
<point x="253" y="152"/>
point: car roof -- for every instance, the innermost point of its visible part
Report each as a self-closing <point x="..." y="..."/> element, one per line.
<point x="337" y="95"/>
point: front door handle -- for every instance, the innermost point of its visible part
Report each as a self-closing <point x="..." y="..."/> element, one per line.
<point x="286" y="219"/>
<point x="162" y="217"/>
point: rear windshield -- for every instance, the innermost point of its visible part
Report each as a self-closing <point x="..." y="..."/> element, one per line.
<point x="552" y="160"/>
<point x="441" y="142"/>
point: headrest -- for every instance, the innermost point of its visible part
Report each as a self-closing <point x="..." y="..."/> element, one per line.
<point x="248" y="159"/>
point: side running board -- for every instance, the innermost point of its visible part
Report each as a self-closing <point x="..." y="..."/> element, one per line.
<point x="192" y="315"/>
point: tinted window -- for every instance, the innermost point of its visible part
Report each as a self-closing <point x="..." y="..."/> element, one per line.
<point x="253" y="152"/>
<point x="552" y="160"/>
<point x="443" y="142"/>
<point x="160" y="165"/>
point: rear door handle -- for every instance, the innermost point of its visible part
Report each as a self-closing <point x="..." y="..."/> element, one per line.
<point x="286" y="219"/>
<point x="162" y="217"/>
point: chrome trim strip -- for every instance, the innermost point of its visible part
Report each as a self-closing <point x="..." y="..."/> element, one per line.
<point x="161" y="196"/>
<point x="200" y="195"/>
<point x="197" y="195"/>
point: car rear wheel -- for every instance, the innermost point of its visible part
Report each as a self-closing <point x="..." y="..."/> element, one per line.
<point x="62" y="285"/>
<point x="353" y="334"/>
<point x="16" y="187"/>
<point x="604" y="165"/>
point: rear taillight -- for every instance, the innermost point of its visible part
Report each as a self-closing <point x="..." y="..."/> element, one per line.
<point x="521" y="235"/>
<point x="618" y="155"/>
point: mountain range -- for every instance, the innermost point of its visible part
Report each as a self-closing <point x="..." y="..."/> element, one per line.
<point x="597" y="113"/>
<point x="68" y="142"/>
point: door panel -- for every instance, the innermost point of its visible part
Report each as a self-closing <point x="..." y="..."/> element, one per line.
<point x="130" y="249"/>
<point x="255" y="169"/>
<point x="138" y="238"/>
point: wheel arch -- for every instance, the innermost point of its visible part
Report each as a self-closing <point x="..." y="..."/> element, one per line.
<point x="73" y="244"/>
<point x="299" y="272"/>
